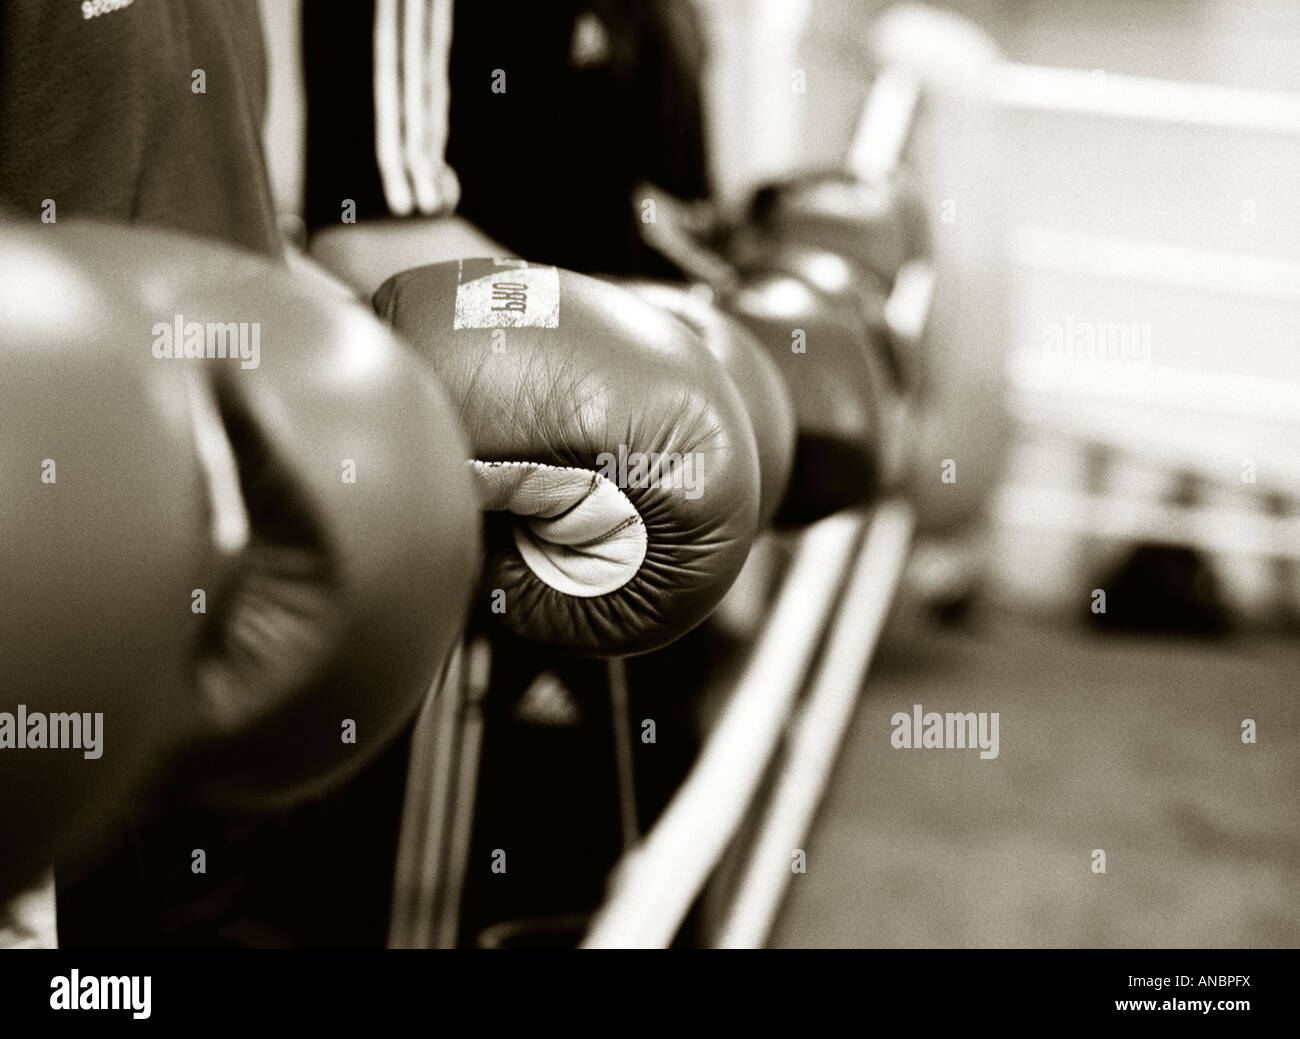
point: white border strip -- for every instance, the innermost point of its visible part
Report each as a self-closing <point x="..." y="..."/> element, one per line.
<point x="1051" y="387"/>
<point x="419" y="875"/>
<point x="818" y="730"/>
<point x="1080" y="91"/>
<point x="1148" y="262"/>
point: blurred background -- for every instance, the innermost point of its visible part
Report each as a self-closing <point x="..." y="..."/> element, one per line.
<point x="1148" y="189"/>
<point x="1074" y="228"/>
<point x="1136" y="190"/>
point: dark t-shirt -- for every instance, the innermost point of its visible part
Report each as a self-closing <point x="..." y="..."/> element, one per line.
<point x="600" y="96"/>
<point x="592" y="98"/>
<point x="99" y="112"/>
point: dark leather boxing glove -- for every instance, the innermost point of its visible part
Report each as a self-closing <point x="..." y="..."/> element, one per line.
<point x="827" y="344"/>
<point x="312" y="487"/>
<point x="877" y="226"/>
<point x="847" y="284"/>
<point x="752" y="371"/>
<point x="821" y="348"/>
<point x="610" y="433"/>
<point x="366" y="254"/>
<point x="893" y="367"/>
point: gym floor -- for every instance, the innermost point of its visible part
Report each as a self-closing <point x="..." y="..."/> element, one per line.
<point x="1127" y="744"/>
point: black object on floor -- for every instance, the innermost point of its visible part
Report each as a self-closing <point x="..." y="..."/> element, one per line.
<point x="1162" y="588"/>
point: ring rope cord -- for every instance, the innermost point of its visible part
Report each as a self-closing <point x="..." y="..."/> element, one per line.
<point x="817" y="731"/>
<point x="621" y="730"/>
<point x="654" y="885"/>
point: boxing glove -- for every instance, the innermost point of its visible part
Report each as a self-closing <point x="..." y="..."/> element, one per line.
<point x="848" y="285"/>
<point x="877" y="226"/>
<point x="366" y="254"/>
<point x="226" y="563"/>
<point x="611" y="450"/>
<point x="762" y="389"/>
<point x="821" y="349"/>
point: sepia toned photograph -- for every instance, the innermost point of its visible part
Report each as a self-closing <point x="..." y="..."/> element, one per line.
<point x="648" y="474"/>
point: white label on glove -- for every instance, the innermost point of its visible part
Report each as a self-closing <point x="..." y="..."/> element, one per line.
<point x="516" y="297"/>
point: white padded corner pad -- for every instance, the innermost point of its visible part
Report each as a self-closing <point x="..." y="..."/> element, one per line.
<point x="577" y="531"/>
